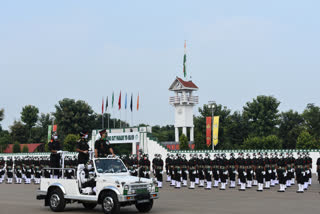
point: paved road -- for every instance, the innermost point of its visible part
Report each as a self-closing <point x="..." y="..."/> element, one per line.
<point x="20" y="198"/>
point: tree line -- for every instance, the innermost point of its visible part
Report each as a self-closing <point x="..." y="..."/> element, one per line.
<point x="260" y="125"/>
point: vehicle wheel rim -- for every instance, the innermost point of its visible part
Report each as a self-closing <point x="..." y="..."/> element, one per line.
<point x="54" y="200"/>
<point x="108" y="204"/>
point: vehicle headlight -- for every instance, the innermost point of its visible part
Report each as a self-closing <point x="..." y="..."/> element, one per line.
<point x="125" y="190"/>
<point x="150" y="187"/>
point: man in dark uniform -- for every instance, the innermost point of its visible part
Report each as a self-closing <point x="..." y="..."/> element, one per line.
<point x="102" y="146"/>
<point x="249" y="171"/>
<point x="185" y="172"/>
<point x="232" y="170"/>
<point x="54" y="146"/>
<point x="9" y="170"/>
<point x="158" y="164"/>
<point x="192" y="164"/>
<point x="282" y="173"/>
<point x="168" y="163"/>
<point x="2" y="169"/>
<point x="260" y="171"/>
<point x="215" y="170"/>
<point x="299" y="172"/>
<point x="83" y="148"/>
<point x="201" y="169"/>
<point x="208" y="171"/>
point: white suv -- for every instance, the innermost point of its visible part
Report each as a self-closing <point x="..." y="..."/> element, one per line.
<point x="115" y="187"/>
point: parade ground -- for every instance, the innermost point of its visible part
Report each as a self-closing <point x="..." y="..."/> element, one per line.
<point x="21" y="198"/>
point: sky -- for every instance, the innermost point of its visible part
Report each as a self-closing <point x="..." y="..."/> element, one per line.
<point x="236" y="50"/>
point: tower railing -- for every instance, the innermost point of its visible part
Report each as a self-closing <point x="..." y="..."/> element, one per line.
<point x="184" y="99"/>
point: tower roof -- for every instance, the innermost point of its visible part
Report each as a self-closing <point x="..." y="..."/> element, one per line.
<point x="180" y="84"/>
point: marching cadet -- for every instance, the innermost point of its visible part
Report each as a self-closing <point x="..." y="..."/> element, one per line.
<point x="282" y="173"/>
<point x="28" y="170"/>
<point x="309" y="162"/>
<point x="232" y="170"/>
<point x="215" y="170"/>
<point x="159" y="170"/>
<point x="273" y="170"/>
<point x="197" y="169"/>
<point x="254" y="166"/>
<point x="171" y="170"/>
<point x="168" y="163"/>
<point x="318" y="169"/>
<point x="223" y="172"/>
<point x="249" y="164"/>
<point x="192" y="164"/>
<point x="37" y="171"/>
<point x="268" y="170"/>
<point x="83" y="148"/>
<point x="9" y="169"/>
<point x="299" y="173"/>
<point x="2" y="169"/>
<point x="208" y="171"/>
<point x="54" y="147"/>
<point x="133" y="165"/>
<point x="185" y="171"/>
<point x="102" y="146"/>
<point x="260" y="172"/>
<point x="201" y="170"/>
<point x="144" y="164"/>
<point x="242" y="163"/>
<point x="178" y="171"/>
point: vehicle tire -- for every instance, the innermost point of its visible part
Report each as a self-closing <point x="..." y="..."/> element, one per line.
<point x="110" y="203"/>
<point x="57" y="202"/>
<point x="145" y="207"/>
<point x="89" y="206"/>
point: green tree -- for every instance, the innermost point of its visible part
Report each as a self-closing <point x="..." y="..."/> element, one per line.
<point x="5" y="140"/>
<point x="42" y="127"/>
<point x="70" y="142"/>
<point x="291" y="125"/>
<point x="263" y="115"/>
<point x="256" y="142"/>
<point x="16" y="147"/>
<point x="307" y="141"/>
<point x="25" y="149"/>
<point x="29" y="116"/>
<point x="1" y="117"/>
<point x="19" y="132"/>
<point x="311" y="116"/>
<point x="164" y="133"/>
<point x="199" y="141"/>
<point x="73" y="117"/>
<point x="184" y="144"/>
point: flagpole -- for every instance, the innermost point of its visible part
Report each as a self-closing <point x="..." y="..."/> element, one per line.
<point x="102" y="120"/>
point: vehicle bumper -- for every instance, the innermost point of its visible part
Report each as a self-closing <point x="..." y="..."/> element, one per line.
<point x="41" y="195"/>
<point x="135" y="197"/>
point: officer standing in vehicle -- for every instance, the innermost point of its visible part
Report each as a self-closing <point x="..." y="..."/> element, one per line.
<point x="54" y="146"/>
<point x="102" y="146"/>
<point x="83" y="148"/>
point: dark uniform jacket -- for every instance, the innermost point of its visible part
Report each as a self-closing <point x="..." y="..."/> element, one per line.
<point x="103" y="147"/>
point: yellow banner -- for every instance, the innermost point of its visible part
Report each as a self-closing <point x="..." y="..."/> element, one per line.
<point x="215" y="130"/>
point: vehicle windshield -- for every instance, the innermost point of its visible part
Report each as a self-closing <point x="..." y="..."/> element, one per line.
<point x="110" y="166"/>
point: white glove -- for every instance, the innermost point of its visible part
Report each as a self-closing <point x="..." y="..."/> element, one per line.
<point x="303" y="173"/>
<point x="275" y="171"/>
<point x="308" y="172"/>
<point x="263" y="172"/>
<point x="161" y="172"/>
<point x="269" y="171"/>
<point x="236" y="173"/>
<point x="210" y="172"/>
<point x="244" y="173"/>
<point x="284" y="174"/>
<point x="225" y="172"/>
<point x="292" y="170"/>
<point x="218" y="172"/>
<point x="194" y="172"/>
<point x="251" y="171"/>
<point x="172" y="172"/>
<point x="144" y="172"/>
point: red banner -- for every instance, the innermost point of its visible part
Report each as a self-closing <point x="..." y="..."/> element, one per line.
<point x="208" y="130"/>
<point x="54" y="128"/>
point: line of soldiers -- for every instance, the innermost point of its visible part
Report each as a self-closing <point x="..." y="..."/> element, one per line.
<point x="262" y="170"/>
<point x="29" y="169"/>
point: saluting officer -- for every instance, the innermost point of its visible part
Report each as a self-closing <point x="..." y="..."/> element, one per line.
<point x="83" y="148"/>
<point x="102" y="146"/>
<point x="54" y="147"/>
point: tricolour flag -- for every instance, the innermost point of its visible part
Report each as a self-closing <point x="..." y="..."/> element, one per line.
<point x="138" y="103"/>
<point x="119" y="102"/>
<point x="131" y="102"/>
<point x="112" y="99"/>
<point x="102" y="108"/>
<point x="125" y="102"/>
<point x="185" y="59"/>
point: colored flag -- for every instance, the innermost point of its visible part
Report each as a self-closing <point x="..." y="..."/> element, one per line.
<point x="125" y="102"/>
<point x="107" y="104"/>
<point x="112" y="98"/>
<point x="131" y="104"/>
<point x="119" y="102"/>
<point x="208" y="130"/>
<point x="215" y="130"/>
<point x="102" y="105"/>
<point x="54" y="129"/>
<point x="185" y="59"/>
<point x="138" y="103"/>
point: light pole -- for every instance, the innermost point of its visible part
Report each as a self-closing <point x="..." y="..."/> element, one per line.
<point x="212" y="105"/>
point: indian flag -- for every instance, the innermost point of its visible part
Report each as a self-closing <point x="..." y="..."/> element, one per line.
<point x="185" y="59"/>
